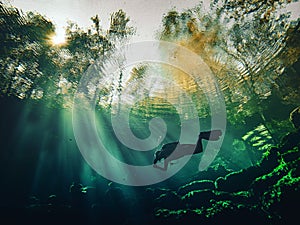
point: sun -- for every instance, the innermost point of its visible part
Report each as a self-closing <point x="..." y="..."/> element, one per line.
<point x="58" y="38"/>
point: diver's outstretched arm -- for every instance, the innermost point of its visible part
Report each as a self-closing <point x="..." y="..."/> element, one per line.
<point x="162" y="168"/>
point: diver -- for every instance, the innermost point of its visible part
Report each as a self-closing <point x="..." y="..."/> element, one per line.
<point x="169" y="154"/>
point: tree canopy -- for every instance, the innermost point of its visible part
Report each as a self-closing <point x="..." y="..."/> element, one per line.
<point x="33" y="67"/>
<point x="252" y="47"/>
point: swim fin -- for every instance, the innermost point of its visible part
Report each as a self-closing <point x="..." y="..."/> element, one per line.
<point x="212" y="135"/>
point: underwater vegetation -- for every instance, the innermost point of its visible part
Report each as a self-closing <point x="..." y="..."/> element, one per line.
<point x="265" y="193"/>
<point x="252" y="48"/>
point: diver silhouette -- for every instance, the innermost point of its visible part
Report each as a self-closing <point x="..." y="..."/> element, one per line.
<point x="183" y="149"/>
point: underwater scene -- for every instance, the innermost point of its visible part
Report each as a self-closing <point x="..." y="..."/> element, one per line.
<point x="150" y="112"/>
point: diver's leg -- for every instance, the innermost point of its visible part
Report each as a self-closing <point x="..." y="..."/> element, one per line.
<point x="199" y="146"/>
<point x="212" y="135"/>
<point x="205" y="135"/>
<point x="166" y="163"/>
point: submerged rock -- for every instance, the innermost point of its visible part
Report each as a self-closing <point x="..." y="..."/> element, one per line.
<point x="196" y="185"/>
<point x="198" y="198"/>
<point x="266" y="193"/>
<point x="169" y="200"/>
<point x="238" y="181"/>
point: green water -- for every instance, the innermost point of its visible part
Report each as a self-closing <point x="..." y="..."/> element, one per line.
<point x="252" y="50"/>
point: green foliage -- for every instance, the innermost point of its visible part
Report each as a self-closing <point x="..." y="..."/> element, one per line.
<point x="119" y="25"/>
<point x="23" y="50"/>
<point x="238" y="145"/>
<point x="259" y="138"/>
<point x="33" y="67"/>
<point x="17" y="29"/>
<point x="245" y="43"/>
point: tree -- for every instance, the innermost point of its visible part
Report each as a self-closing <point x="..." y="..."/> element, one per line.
<point x="248" y="45"/>
<point x="33" y="67"/>
<point x="24" y="43"/>
<point x="119" y="28"/>
<point x="243" y="42"/>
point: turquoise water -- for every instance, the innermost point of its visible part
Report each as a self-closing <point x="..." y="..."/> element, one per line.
<point x="249" y="62"/>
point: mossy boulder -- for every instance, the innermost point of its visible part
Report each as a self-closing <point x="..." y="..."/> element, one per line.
<point x="196" y="185"/>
